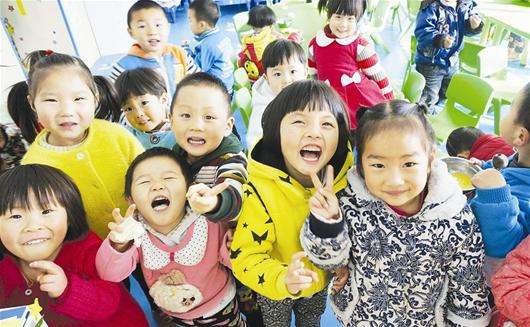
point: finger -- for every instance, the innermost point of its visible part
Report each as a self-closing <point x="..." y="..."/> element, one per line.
<point x="116" y="214"/>
<point x="130" y="210"/>
<point x="194" y="189"/>
<point x="217" y="189"/>
<point x="46" y="279"/>
<point x="321" y="199"/>
<point x="310" y="274"/>
<point x="316" y="182"/>
<point x="314" y="203"/>
<point x="302" y="279"/>
<point x="329" y="178"/>
<point x="46" y="266"/>
<point x="298" y="256"/>
<point x="50" y="287"/>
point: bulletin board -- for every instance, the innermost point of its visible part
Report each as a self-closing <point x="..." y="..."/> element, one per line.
<point x="35" y="24"/>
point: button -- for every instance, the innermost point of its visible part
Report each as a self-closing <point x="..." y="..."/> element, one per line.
<point x="28" y="292"/>
<point x="80" y="156"/>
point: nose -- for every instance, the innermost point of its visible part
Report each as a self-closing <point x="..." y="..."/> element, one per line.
<point x="287" y="79"/>
<point x="66" y="109"/>
<point x="394" y="177"/>
<point x="33" y="223"/>
<point x="151" y="29"/>
<point x="197" y="124"/>
<point x="313" y="129"/>
<point x="157" y="185"/>
<point x="140" y="113"/>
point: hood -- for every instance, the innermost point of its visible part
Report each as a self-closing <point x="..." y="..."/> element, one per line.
<point x="444" y="198"/>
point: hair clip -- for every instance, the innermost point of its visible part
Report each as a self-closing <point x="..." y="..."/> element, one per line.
<point x="48" y="52"/>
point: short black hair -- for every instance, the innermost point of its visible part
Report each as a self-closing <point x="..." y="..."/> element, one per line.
<point x="299" y="96"/>
<point x="108" y="107"/>
<point x="261" y="16"/>
<point x="523" y="112"/>
<point x="280" y="51"/>
<point x="462" y="139"/>
<point x="203" y="79"/>
<point x="398" y="114"/>
<point x="343" y="7"/>
<point x="140" y="5"/>
<point x="206" y="11"/>
<point x="137" y="82"/>
<point x="152" y="153"/>
<point x="48" y="185"/>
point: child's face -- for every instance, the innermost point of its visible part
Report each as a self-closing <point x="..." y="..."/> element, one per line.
<point x="200" y="120"/>
<point x="65" y="106"/>
<point x="197" y="27"/>
<point x="285" y="73"/>
<point x="146" y="112"/>
<point x="511" y="131"/>
<point x="158" y="189"/>
<point x="396" y="167"/>
<point x="35" y="233"/>
<point x="308" y="140"/>
<point x="150" y="28"/>
<point x="342" y="26"/>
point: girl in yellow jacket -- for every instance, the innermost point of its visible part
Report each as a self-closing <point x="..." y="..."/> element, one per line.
<point x="305" y="128"/>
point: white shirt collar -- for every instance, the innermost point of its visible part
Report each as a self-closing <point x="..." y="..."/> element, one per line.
<point x="323" y="40"/>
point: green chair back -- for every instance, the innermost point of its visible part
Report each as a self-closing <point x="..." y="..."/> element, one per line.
<point x="413" y="85"/>
<point x="241" y="79"/>
<point x="492" y="61"/>
<point x="243" y="103"/>
<point x="240" y="21"/>
<point x="469" y="56"/>
<point x="468" y="98"/>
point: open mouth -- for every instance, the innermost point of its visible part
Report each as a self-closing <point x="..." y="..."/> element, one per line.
<point x="160" y="203"/>
<point x="311" y="153"/>
<point x="196" y="141"/>
<point x="36" y="241"/>
<point x="68" y="124"/>
<point x="153" y="42"/>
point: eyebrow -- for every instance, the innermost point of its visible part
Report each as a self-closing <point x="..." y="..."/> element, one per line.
<point x="375" y="156"/>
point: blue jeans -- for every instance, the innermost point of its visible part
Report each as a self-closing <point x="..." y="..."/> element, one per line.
<point x="436" y="82"/>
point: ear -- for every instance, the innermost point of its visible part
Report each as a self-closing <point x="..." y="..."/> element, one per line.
<point x="229" y="126"/>
<point x="129" y="31"/>
<point x="164" y="99"/>
<point x="522" y="137"/>
<point x="129" y="200"/>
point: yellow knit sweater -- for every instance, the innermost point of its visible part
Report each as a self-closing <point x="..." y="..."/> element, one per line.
<point x="275" y="207"/>
<point x="97" y="166"/>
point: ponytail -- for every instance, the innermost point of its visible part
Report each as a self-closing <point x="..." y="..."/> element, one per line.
<point x="108" y="108"/>
<point x="21" y="112"/>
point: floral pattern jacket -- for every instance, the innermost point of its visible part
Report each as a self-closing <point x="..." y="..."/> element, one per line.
<point x="423" y="270"/>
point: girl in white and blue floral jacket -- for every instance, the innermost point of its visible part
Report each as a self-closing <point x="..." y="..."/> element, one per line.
<point x="403" y="228"/>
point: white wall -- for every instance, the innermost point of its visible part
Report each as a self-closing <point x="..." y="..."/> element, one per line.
<point x="10" y="72"/>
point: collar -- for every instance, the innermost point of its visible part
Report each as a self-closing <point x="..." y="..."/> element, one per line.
<point x="205" y="34"/>
<point x="174" y="236"/>
<point x="137" y="51"/>
<point x="324" y="38"/>
<point x="447" y="4"/>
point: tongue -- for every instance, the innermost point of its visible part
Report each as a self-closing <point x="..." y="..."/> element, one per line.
<point x="310" y="155"/>
<point x="160" y="207"/>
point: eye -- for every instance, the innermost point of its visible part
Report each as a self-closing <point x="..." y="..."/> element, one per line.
<point x="169" y="178"/>
<point x="298" y="122"/>
<point x="294" y="71"/>
<point x="377" y="165"/>
<point x="79" y="98"/>
<point x="158" y="25"/>
<point x="410" y="164"/>
<point x="328" y="124"/>
<point x="47" y="211"/>
<point x="145" y="102"/>
<point x="126" y="109"/>
<point x="277" y="74"/>
<point x="50" y="100"/>
<point x="209" y="117"/>
<point x="142" y="182"/>
<point x="15" y="217"/>
<point x="185" y="115"/>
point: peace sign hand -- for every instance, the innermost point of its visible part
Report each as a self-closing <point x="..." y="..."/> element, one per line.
<point x="52" y="279"/>
<point x="298" y="277"/>
<point x="124" y="229"/>
<point x="324" y="202"/>
<point x="202" y="198"/>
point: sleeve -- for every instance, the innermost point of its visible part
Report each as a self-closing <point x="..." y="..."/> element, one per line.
<point x="191" y="66"/>
<point x="253" y="241"/>
<point x="467" y="293"/>
<point x="87" y="297"/>
<point x="115" y="266"/>
<point x="368" y="61"/>
<point x="205" y="58"/>
<point x="500" y="220"/>
<point x="311" y="62"/>
<point x="426" y="32"/>
<point x="472" y="11"/>
<point x="511" y="285"/>
<point x="233" y="169"/>
<point x="326" y="242"/>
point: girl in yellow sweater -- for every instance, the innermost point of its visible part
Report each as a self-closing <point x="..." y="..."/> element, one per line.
<point x="94" y="153"/>
<point x="305" y="128"/>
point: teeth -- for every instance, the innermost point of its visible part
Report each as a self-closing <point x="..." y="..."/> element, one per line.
<point x="196" y="140"/>
<point x="37" y="241"/>
<point x="311" y="148"/>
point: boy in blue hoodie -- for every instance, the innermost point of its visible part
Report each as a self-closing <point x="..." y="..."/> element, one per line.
<point x="502" y="203"/>
<point x="214" y="49"/>
<point x="440" y="29"/>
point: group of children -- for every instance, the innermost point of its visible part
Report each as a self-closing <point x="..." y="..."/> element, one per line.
<point x="168" y="195"/>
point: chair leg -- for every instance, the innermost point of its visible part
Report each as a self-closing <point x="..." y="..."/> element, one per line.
<point x="496" y="115"/>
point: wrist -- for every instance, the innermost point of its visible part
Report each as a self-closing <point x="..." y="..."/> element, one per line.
<point x="120" y="247"/>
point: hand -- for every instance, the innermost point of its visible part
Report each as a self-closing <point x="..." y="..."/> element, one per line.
<point x="341" y="277"/>
<point x="52" y="280"/>
<point x="202" y="198"/>
<point x="117" y="228"/>
<point x="448" y="42"/>
<point x="229" y="238"/>
<point x="476" y="162"/>
<point x="474" y="21"/>
<point x="488" y="179"/>
<point x="324" y="202"/>
<point x="299" y="278"/>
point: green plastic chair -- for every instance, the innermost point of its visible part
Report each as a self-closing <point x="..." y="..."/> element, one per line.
<point x="241" y="79"/>
<point x="413" y="85"/>
<point x="379" y="16"/>
<point x="243" y="103"/>
<point x="468" y="98"/>
<point x="240" y="21"/>
<point x="469" y="56"/>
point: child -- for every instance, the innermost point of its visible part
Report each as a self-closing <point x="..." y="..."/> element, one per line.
<point x="47" y="252"/>
<point x="471" y="142"/>
<point x="511" y="285"/>
<point x="12" y="146"/>
<point x="214" y="48"/>
<point x="304" y="129"/>
<point x="94" y="153"/>
<point x="346" y="60"/>
<point x="184" y="257"/>
<point x="202" y="123"/>
<point x="404" y="228"/>
<point x="284" y="62"/>
<point x="143" y="97"/>
<point x="440" y="29"/>
<point x="262" y="19"/>
<point x="502" y="203"/>
<point x="108" y="107"/>
<point x="148" y="26"/>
